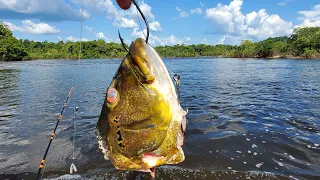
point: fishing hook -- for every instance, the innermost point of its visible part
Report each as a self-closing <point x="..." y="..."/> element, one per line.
<point x="123" y="44"/>
<point x="144" y="19"/>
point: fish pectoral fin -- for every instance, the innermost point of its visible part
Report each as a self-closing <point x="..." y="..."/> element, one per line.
<point x="153" y="172"/>
<point x="183" y="131"/>
<point x="186" y="112"/>
<point x="184" y="124"/>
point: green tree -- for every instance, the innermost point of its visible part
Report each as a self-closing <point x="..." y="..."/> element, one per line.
<point x="304" y="42"/>
<point x="265" y="48"/>
<point x="247" y="49"/>
<point x="281" y="48"/>
<point x="309" y="53"/>
<point x="10" y="47"/>
<point x="305" y="38"/>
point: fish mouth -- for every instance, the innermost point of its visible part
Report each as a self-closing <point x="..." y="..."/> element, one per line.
<point x="139" y="58"/>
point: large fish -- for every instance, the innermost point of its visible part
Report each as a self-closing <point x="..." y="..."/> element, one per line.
<point x="142" y="124"/>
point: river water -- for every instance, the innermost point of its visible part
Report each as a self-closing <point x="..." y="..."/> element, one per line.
<point x="248" y="119"/>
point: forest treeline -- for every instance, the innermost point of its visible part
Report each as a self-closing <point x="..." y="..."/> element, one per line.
<point x="303" y="43"/>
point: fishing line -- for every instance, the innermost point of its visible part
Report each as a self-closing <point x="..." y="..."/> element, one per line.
<point x="73" y="167"/>
<point x="53" y="134"/>
<point x="170" y="72"/>
<point x="43" y="161"/>
<point x="80" y="50"/>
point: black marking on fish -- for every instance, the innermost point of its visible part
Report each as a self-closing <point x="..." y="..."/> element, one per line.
<point x="116" y="121"/>
<point x="120" y="137"/>
<point x="121" y="145"/>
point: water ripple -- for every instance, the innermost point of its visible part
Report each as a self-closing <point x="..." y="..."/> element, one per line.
<point x="248" y="119"/>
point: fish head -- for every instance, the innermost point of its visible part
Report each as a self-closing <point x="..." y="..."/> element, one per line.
<point x="140" y="122"/>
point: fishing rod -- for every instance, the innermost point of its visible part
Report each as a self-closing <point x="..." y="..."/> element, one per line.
<point x="53" y="134"/>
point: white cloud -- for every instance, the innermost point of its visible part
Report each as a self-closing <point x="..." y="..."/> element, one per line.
<point x="73" y="39"/>
<point x="11" y="26"/>
<point x="201" y="4"/>
<point x="98" y="35"/>
<point x="313" y="14"/>
<point x="230" y="20"/>
<point x="88" y="28"/>
<point x="8" y="3"/>
<point x="308" y="23"/>
<point x="196" y="11"/>
<point x="139" y="34"/>
<point x="204" y="41"/>
<point x="125" y="23"/>
<point x="262" y="25"/>
<point x="228" y="17"/>
<point x="231" y="40"/>
<point x="34" y="28"/>
<point x="187" y="39"/>
<point x="155" y="26"/>
<point x="222" y="39"/>
<point x="182" y="13"/>
<point x="145" y="8"/>
<point x="156" y="40"/>
<point x="123" y="19"/>
<point x="283" y="3"/>
<point x="53" y="10"/>
<point x="162" y="41"/>
<point x="310" y="18"/>
<point x="59" y="38"/>
<point x="100" y="7"/>
<point x="84" y="14"/>
<point x="120" y="18"/>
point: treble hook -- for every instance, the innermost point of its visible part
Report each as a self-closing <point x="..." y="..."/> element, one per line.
<point x="145" y="20"/>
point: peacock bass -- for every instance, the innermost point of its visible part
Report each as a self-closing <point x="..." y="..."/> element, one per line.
<point x="142" y="124"/>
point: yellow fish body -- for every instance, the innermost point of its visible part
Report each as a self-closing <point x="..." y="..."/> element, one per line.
<point x="141" y="123"/>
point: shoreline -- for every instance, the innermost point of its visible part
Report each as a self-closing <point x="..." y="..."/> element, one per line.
<point x="191" y="57"/>
<point x="302" y="44"/>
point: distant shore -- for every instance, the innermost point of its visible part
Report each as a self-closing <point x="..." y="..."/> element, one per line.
<point x="226" y="57"/>
<point x="304" y="43"/>
<point x="195" y="57"/>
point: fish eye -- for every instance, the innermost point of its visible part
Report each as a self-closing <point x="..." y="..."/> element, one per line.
<point x="112" y="95"/>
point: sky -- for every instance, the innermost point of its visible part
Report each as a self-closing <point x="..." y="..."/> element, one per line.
<point x="171" y="21"/>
